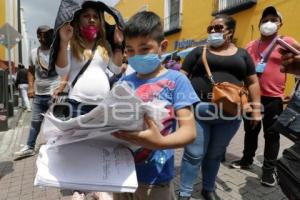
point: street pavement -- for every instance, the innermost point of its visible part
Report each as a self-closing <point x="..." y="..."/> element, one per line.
<point x="16" y="177"/>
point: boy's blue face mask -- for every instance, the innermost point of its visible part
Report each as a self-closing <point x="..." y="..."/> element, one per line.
<point x="144" y="64"/>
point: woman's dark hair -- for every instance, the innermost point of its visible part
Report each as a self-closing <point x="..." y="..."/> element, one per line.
<point x="229" y="22"/>
<point x="145" y="23"/>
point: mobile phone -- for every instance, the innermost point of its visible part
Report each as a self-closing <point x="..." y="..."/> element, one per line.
<point x="287" y="46"/>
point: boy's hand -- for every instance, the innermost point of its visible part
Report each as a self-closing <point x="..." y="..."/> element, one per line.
<point x="149" y="138"/>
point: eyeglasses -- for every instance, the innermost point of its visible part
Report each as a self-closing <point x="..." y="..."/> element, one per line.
<point x="217" y="28"/>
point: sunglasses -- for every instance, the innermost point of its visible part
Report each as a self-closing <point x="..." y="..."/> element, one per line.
<point x="217" y="28"/>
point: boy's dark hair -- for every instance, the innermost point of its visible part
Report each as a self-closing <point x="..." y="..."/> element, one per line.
<point x="229" y="21"/>
<point x="145" y="23"/>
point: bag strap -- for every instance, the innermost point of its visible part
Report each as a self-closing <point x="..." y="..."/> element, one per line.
<point x="39" y="60"/>
<point x="267" y="52"/>
<point x="297" y="85"/>
<point x="207" y="69"/>
<point x="84" y="67"/>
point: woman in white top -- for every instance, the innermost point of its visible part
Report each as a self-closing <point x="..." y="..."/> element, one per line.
<point x="83" y="39"/>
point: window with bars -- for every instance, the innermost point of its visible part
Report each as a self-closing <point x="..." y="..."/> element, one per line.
<point x="172" y="20"/>
<point x="231" y="6"/>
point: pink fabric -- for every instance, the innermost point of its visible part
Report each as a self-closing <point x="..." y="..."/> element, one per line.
<point x="272" y="81"/>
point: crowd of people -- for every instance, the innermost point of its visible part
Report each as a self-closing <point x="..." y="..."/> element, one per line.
<point x="85" y="53"/>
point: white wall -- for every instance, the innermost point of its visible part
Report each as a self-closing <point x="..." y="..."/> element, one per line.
<point x="25" y="44"/>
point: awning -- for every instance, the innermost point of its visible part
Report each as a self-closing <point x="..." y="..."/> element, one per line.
<point x="164" y="56"/>
<point x="185" y="52"/>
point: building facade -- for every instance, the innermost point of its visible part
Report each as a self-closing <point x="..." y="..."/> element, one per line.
<point x="2" y="21"/>
<point x="9" y="14"/>
<point x="185" y="21"/>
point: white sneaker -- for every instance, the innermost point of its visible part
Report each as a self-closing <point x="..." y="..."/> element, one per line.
<point x="25" y="151"/>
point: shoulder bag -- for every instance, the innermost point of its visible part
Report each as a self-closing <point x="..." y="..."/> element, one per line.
<point x="229" y="97"/>
<point x="288" y="171"/>
<point x="288" y="122"/>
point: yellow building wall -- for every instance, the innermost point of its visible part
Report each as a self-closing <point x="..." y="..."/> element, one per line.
<point x="247" y="24"/>
<point x="193" y="23"/>
<point x="196" y="16"/>
<point x="2" y="22"/>
<point x="130" y="7"/>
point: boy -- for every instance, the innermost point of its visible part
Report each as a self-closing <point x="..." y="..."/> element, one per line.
<point x="145" y="44"/>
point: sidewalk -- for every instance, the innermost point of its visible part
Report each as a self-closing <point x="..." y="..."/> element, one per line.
<point x="16" y="177"/>
<point x="236" y="184"/>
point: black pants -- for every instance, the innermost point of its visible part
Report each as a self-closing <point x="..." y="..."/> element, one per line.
<point x="272" y="108"/>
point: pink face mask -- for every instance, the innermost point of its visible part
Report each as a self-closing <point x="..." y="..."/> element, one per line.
<point x="89" y="32"/>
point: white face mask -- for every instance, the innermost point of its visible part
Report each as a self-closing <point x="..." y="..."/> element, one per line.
<point x="268" y="28"/>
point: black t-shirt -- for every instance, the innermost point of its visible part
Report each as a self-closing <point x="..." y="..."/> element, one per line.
<point x="234" y="69"/>
<point x="22" y="77"/>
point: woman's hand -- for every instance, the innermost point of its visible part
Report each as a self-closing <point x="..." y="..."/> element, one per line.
<point x="66" y="33"/>
<point x="57" y="91"/>
<point x="149" y="138"/>
<point x="118" y="36"/>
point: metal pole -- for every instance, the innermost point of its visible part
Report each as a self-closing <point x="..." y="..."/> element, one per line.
<point x="10" y="74"/>
<point x="20" y="31"/>
<point x="9" y="66"/>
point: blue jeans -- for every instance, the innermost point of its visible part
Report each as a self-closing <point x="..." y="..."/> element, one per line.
<point x="40" y="105"/>
<point x="213" y="136"/>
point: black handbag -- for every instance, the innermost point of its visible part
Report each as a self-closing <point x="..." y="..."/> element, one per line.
<point x="288" y="171"/>
<point x="288" y="122"/>
<point x="61" y="108"/>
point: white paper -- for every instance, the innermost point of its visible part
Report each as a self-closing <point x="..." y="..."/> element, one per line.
<point x="121" y="110"/>
<point x="82" y="154"/>
<point x="87" y="166"/>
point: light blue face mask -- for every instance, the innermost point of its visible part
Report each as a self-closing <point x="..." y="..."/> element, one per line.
<point x="215" y="39"/>
<point x="144" y="64"/>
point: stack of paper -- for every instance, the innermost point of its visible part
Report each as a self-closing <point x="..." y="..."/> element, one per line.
<point x="121" y="110"/>
<point x="87" y="166"/>
<point x="82" y="154"/>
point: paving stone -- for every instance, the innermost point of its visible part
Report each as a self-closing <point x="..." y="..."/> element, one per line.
<point x="273" y="195"/>
<point x="27" y="197"/>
